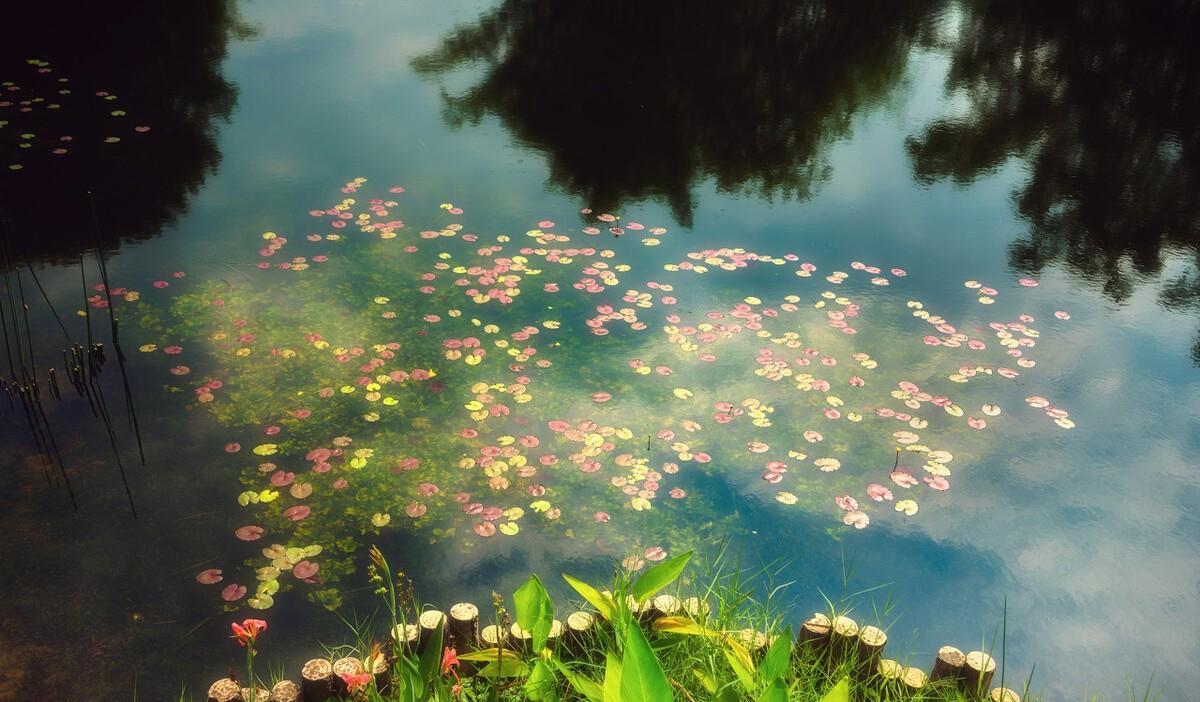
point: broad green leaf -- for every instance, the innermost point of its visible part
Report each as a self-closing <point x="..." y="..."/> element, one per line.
<point x="603" y="603"/>
<point x="659" y="576"/>
<point x="431" y="659"/>
<point x="642" y="676"/>
<point x="612" y="677"/>
<point x="585" y="686"/>
<point x="839" y="692"/>
<point x="775" y="692"/>
<point x="683" y="625"/>
<point x="539" y="686"/>
<point x="535" y="612"/>
<point x="708" y="682"/>
<point x="743" y="666"/>
<point x="490" y="655"/>
<point x="728" y="694"/>
<point x="505" y="668"/>
<point x="776" y="661"/>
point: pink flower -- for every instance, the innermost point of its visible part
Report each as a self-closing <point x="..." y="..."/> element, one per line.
<point x="357" y="681"/>
<point x="247" y="632"/>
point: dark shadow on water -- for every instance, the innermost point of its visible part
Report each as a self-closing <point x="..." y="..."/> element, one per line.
<point x="162" y="61"/>
<point x="637" y="100"/>
<point x="1101" y="101"/>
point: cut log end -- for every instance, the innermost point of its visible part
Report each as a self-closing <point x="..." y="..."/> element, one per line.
<point x="754" y="641"/>
<point x="1003" y="694"/>
<point x="345" y="667"/>
<point x="316" y="680"/>
<point x="949" y="664"/>
<point x="285" y="691"/>
<point x="696" y="608"/>
<point x="406" y="634"/>
<point x="225" y="690"/>
<point x="978" y="671"/>
<point x="430" y="619"/>
<point x="493" y="635"/>
<point x="844" y="627"/>
<point x="667" y="605"/>
<point x="889" y="669"/>
<point x="872" y="637"/>
<point x="580" y="622"/>
<point x="464" y="625"/>
<point x="913" y="678"/>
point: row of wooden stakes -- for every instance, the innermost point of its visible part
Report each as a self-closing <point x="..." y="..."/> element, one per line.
<point x="841" y="637"/>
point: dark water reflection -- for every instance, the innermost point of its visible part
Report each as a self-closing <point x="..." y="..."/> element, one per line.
<point x="163" y="64"/>
<point x="1101" y="102"/>
<point x="633" y="100"/>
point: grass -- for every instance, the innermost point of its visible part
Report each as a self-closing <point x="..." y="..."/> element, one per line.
<point x="632" y="656"/>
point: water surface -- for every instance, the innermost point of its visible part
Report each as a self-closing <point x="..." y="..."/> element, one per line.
<point x="955" y="142"/>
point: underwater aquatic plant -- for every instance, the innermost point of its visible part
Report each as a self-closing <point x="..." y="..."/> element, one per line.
<point x="477" y="390"/>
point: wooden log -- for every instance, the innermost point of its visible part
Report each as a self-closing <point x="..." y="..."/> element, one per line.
<point x="912" y="679"/>
<point x="755" y="642"/>
<point x="344" y="666"/>
<point x="577" y="630"/>
<point x="814" y="633"/>
<point x="285" y="691"/>
<point x="843" y="640"/>
<point x="696" y="608"/>
<point x="316" y="680"/>
<point x="407" y="636"/>
<point x="523" y="640"/>
<point x="225" y="690"/>
<point x="871" y="640"/>
<point x="429" y="621"/>
<point x="463" y="626"/>
<point x="381" y="672"/>
<point x="1003" y="694"/>
<point x="493" y="636"/>
<point x="665" y="606"/>
<point x="889" y="671"/>
<point x="555" y="633"/>
<point x="948" y="665"/>
<point x="977" y="673"/>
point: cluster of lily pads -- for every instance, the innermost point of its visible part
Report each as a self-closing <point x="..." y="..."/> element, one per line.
<point x="477" y="387"/>
<point x="40" y="90"/>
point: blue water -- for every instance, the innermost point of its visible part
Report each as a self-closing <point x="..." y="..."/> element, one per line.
<point x="1088" y="537"/>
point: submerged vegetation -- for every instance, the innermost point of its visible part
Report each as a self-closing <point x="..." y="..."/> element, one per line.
<point x="475" y="388"/>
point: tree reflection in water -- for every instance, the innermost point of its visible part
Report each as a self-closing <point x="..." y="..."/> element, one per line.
<point x="1101" y="100"/>
<point x="162" y="60"/>
<point x="632" y="100"/>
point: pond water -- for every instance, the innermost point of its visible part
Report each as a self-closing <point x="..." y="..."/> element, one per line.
<point x="891" y="294"/>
